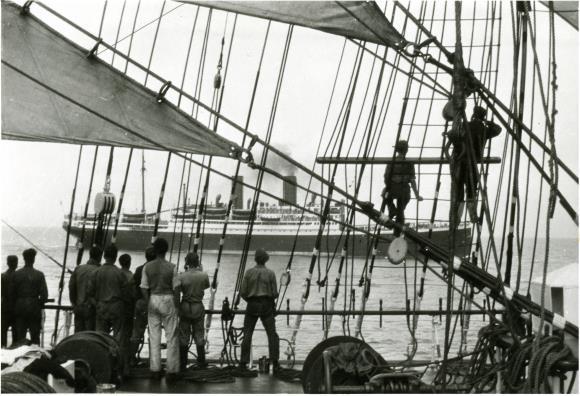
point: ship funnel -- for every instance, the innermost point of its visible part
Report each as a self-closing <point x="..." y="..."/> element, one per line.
<point x="288" y="190"/>
<point x="238" y="197"/>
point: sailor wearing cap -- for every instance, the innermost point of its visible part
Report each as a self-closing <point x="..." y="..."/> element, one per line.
<point x="398" y="177"/>
<point x="464" y="165"/>
<point x="190" y="286"/>
<point x="30" y="294"/>
<point x="259" y="289"/>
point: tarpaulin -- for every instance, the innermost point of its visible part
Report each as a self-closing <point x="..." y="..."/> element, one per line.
<point x="30" y="111"/>
<point x="354" y="19"/>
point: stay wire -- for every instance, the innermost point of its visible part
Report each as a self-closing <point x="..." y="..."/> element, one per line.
<point x="66" y="244"/>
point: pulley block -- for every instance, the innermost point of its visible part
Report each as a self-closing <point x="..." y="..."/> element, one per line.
<point x="104" y="203"/>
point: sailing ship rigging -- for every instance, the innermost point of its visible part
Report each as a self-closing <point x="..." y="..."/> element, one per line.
<point x="409" y="73"/>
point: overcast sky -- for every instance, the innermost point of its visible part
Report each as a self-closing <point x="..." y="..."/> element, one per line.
<point x="37" y="178"/>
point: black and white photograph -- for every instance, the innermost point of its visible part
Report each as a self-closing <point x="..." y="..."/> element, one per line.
<point x="263" y="197"/>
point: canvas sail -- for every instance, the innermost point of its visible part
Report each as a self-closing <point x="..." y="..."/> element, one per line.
<point x="112" y="106"/>
<point x="360" y="20"/>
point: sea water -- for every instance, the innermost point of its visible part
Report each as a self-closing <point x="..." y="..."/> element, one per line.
<point x="393" y="285"/>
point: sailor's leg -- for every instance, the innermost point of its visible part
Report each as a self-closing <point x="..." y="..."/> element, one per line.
<point x="184" y="337"/>
<point x="269" y="323"/>
<point x="35" y="326"/>
<point x="391" y="205"/>
<point x="5" y="323"/>
<point x="154" y="322"/>
<point x="198" y="336"/>
<point x="249" y="326"/>
<point x="170" y="323"/>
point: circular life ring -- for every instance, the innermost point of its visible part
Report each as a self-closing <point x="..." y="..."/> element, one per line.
<point x="397" y="250"/>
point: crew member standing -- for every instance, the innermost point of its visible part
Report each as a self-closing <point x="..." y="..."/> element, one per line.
<point x="30" y="294"/>
<point x="111" y="290"/>
<point x="190" y="286"/>
<point x="464" y="165"/>
<point x="78" y="288"/>
<point x="125" y="263"/>
<point x="259" y="290"/>
<point x="7" y="301"/>
<point x="140" y="313"/>
<point x="157" y="288"/>
<point x="398" y="177"/>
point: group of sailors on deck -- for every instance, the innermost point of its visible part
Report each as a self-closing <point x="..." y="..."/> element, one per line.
<point x="116" y="301"/>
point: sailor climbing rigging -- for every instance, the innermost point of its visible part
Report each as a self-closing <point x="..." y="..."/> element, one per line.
<point x="398" y="176"/>
<point x="468" y="145"/>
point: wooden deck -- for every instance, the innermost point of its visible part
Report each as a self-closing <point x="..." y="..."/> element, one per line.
<point x="263" y="383"/>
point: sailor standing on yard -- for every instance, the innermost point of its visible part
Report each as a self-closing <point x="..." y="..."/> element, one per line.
<point x="398" y="177"/>
<point x="259" y="289"/>
<point x="78" y="289"/>
<point x="157" y="288"/>
<point x="140" y="313"/>
<point x="110" y="291"/>
<point x="464" y="169"/>
<point x="30" y="294"/>
<point x="7" y="301"/>
<point x="190" y="286"/>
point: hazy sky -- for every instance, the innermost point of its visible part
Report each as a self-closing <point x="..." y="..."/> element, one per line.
<point x="37" y="178"/>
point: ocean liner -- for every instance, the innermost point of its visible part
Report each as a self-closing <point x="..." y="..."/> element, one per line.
<point x="281" y="227"/>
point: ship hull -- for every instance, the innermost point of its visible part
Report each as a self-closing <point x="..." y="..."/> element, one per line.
<point x="280" y="244"/>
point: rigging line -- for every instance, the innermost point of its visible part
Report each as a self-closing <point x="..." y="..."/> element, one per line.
<point x="195" y="110"/>
<point x="37" y="247"/>
<point x="553" y="177"/>
<point x="436" y="87"/>
<point x="154" y="43"/>
<point x="236" y="296"/>
<point x="563" y="201"/>
<point x="160" y="199"/>
<point x="515" y="205"/>
<point x="410" y="16"/>
<point x="86" y="212"/>
<point x="520" y="235"/>
<point x="173" y="238"/>
<point x="121" y="197"/>
<point x="102" y="19"/>
<point x="167" y="149"/>
<point x="325" y="212"/>
<point x="118" y="30"/>
<point x="68" y="230"/>
<point x="131" y="36"/>
<point x="550" y="43"/>
<point x="188" y="55"/>
<point x="289" y="265"/>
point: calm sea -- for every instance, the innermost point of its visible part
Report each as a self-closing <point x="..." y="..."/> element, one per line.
<point x="392" y="285"/>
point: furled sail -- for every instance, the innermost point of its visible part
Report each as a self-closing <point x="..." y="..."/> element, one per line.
<point x="53" y="92"/>
<point x="361" y="20"/>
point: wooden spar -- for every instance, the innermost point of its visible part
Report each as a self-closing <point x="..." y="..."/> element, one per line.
<point x="389" y="160"/>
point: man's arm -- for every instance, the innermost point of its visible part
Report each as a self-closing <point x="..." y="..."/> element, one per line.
<point x="493" y="129"/>
<point x="273" y="285"/>
<point x="144" y="286"/>
<point x="244" y="288"/>
<point x="206" y="282"/>
<point x="43" y="289"/>
<point x="414" y="184"/>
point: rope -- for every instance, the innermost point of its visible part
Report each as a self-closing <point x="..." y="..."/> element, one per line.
<point x="85" y="214"/>
<point x="160" y="199"/>
<point x="122" y="196"/>
<point x="154" y="43"/>
<point x="68" y="229"/>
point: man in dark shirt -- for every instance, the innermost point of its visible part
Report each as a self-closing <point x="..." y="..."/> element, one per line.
<point x="83" y="303"/>
<point x="110" y="291"/>
<point x="259" y="290"/>
<point x="191" y="285"/>
<point x="7" y="302"/>
<point x="140" y="313"/>
<point x="157" y="288"/>
<point x="464" y="166"/>
<point x="30" y="293"/>
<point x="125" y="263"/>
<point x="398" y="177"/>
